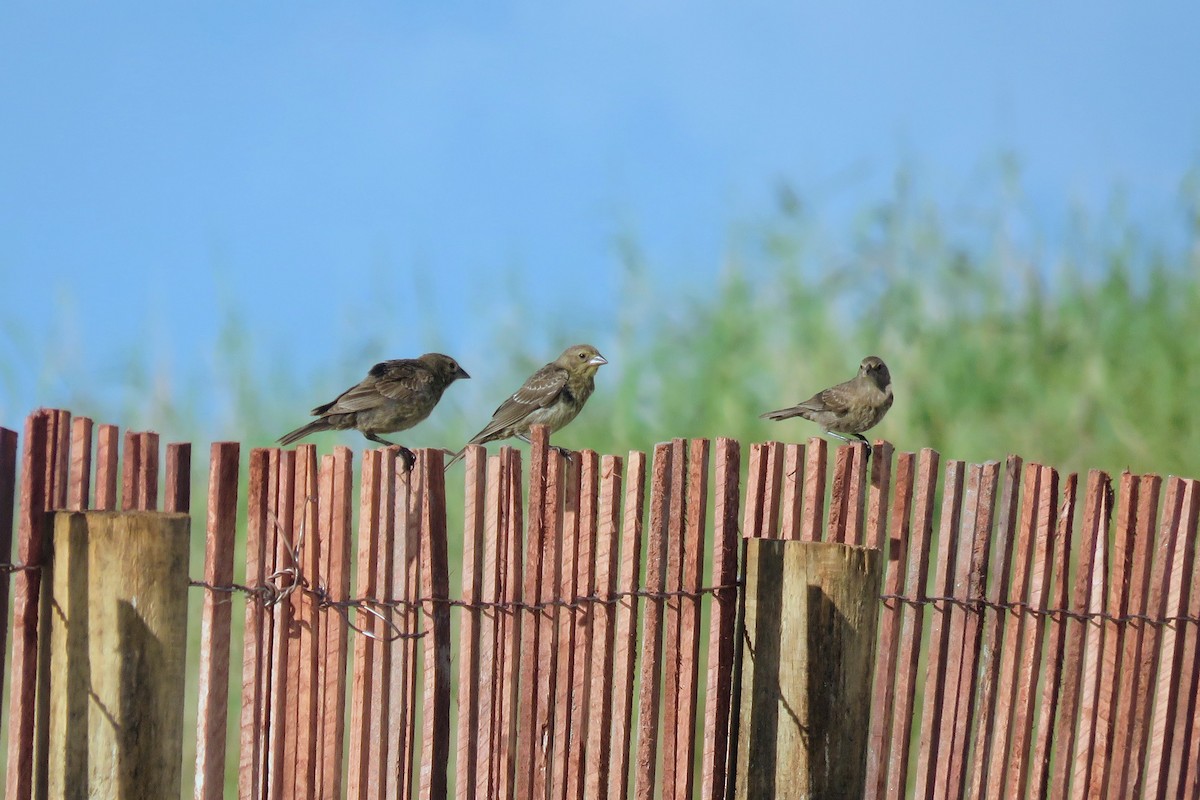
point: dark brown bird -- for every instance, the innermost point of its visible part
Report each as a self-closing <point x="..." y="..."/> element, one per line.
<point x="553" y="396"/>
<point x="394" y="396"/>
<point x="848" y="408"/>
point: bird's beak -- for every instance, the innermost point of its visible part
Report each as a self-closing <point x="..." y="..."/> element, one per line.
<point x="462" y="373"/>
<point x="597" y="361"/>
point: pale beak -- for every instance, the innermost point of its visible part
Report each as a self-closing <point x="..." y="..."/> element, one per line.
<point x="597" y="361"/>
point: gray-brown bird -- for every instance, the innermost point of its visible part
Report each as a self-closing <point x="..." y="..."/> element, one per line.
<point x="848" y="408"/>
<point x="553" y="396"/>
<point x="394" y="396"/>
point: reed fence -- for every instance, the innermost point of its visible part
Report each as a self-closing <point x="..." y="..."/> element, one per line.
<point x="592" y="646"/>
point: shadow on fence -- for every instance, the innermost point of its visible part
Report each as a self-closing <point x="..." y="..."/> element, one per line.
<point x="1020" y="651"/>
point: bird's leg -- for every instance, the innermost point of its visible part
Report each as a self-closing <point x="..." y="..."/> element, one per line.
<point x="379" y="439"/>
<point x="410" y="458"/>
<point x="564" y="452"/>
<point x="863" y="439"/>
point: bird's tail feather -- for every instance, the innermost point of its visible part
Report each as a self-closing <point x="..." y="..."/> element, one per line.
<point x="457" y="456"/>
<point x="783" y="413"/>
<point x="304" y="430"/>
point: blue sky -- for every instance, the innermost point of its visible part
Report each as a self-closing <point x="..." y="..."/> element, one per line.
<point x="341" y="173"/>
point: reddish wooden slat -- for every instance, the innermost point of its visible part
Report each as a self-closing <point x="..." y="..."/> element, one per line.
<point x="772" y="489"/>
<point x="532" y="676"/>
<point x="600" y="715"/>
<point x="8" y="483"/>
<point x="358" y="767"/>
<point x="32" y="532"/>
<point x="435" y="585"/>
<point x="81" y="466"/>
<point x="408" y="565"/>
<point x="1182" y="515"/>
<point x="1181" y="713"/>
<point x="337" y="477"/>
<point x="511" y="633"/>
<point x="1008" y="676"/>
<point x="470" y="668"/>
<point x="215" y="618"/>
<point x="549" y="652"/>
<point x="306" y="628"/>
<point x="490" y="508"/>
<point x="1111" y="749"/>
<point x="1039" y="761"/>
<point x="563" y="683"/>
<point x="1073" y="692"/>
<point x="256" y="637"/>
<point x="993" y="629"/>
<point x="582" y="674"/>
<point x="721" y="625"/>
<point x="813" y="514"/>
<point x="793" y="491"/>
<point x="887" y="652"/>
<point x="877" y="496"/>
<point x="146" y="472"/>
<point x="846" y="498"/>
<point x="131" y="469"/>
<point x="856" y="503"/>
<point x="1145" y="600"/>
<point x="1032" y="637"/>
<point x="178" y="497"/>
<point x="937" y="671"/>
<point x="107" y="446"/>
<point x="689" y="638"/>
<point x="672" y="606"/>
<point x="1188" y="717"/>
<point x="281" y="671"/>
<point x="754" y="524"/>
<point x="378" y="722"/>
<point x="971" y="561"/>
<point x="650" y="676"/>
<point x="627" y="616"/>
<point x="911" y="620"/>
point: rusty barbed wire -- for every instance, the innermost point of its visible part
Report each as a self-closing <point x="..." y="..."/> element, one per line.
<point x="10" y="569"/>
<point x="1022" y="607"/>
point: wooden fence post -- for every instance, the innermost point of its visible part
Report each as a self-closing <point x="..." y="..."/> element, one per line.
<point x="808" y="657"/>
<point x="118" y="623"/>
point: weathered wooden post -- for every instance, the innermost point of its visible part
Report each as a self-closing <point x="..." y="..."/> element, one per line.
<point x="118" y="617"/>
<point x="807" y="655"/>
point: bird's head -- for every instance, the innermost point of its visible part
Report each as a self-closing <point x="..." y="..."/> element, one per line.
<point x="581" y="359"/>
<point x="873" y="367"/>
<point x="444" y="366"/>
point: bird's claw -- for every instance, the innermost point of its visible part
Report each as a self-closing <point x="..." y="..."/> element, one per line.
<point x="569" y="455"/>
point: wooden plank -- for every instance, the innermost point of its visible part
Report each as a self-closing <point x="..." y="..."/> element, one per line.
<point x="1180" y="514"/>
<point x="627" y="625"/>
<point x="563" y="719"/>
<point x="877" y="496"/>
<point x="8" y="484"/>
<point x="306" y="632"/>
<point x="1073" y="697"/>
<point x="470" y="683"/>
<point x="408" y="566"/>
<point x="131" y="470"/>
<point x="358" y="768"/>
<point x="116" y="704"/>
<point x="772" y="489"/>
<point x="547" y="621"/>
<point x="1116" y="690"/>
<point x="585" y="615"/>
<point x="379" y="724"/>
<point x="911" y="621"/>
<point x="1032" y="634"/>
<point x="937" y="673"/>
<point x="600" y="715"/>
<point x="81" y="467"/>
<point x="672" y="606"/>
<point x="336" y="487"/>
<point x="283" y="669"/>
<point x="719" y="689"/>
<point x="487" y="736"/>
<point x="806" y="679"/>
<point x="107" y="451"/>
<point x="435" y="585"/>
<point x="846" y="498"/>
<point x="754" y="524"/>
<point x="178" y="496"/>
<point x="512" y="633"/>
<point x="256" y="635"/>
<point x="1181" y="713"/>
<point x="1008" y="676"/>
<point x="987" y="737"/>
<point x="1144" y="600"/>
<point x="1055" y="644"/>
<point x="32" y="535"/>
<point x="974" y="551"/>
<point x="650" y="676"/>
<point x="1189" y="776"/>
<point x="887" y="654"/>
<point x="793" y="491"/>
<point x="813" y="515"/>
<point x="215" y="621"/>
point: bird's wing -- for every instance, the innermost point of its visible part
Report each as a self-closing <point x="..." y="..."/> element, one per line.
<point x="836" y="399"/>
<point x="386" y="380"/>
<point x="542" y="389"/>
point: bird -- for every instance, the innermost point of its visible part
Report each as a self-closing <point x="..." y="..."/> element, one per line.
<point x="850" y="407"/>
<point x="553" y="396"/>
<point x="394" y="396"/>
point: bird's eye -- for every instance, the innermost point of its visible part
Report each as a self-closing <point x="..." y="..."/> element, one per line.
<point x="582" y="356"/>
